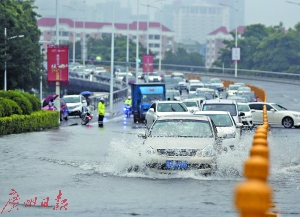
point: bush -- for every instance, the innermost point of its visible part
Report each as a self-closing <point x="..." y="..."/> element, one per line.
<point x="35" y="102"/>
<point x="26" y="123"/>
<point x="7" y="108"/>
<point x="21" y="100"/>
<point x="1" y="111"/>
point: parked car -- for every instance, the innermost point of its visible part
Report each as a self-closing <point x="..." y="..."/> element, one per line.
<point x="176" y="143"/>
<point x="75" y="104"/>
<point x="225" y="124"/>
<point x="277" y="114"/>
<point x="160" y="108"/>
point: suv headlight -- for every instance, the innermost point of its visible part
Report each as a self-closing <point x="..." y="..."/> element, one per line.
<point x="297" y="116"/>
<point x="208" y="151"/>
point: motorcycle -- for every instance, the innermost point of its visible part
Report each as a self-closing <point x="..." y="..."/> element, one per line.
<point x="86" y="117"/>
<point x="127" y="110"/>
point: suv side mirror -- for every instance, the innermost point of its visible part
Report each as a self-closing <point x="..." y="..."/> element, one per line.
<point x="272" y="110"/>
<point x="142" y="135"/>
<point x="241" y="114"/>
<point x="239" y="125"/>
<point x="151" y="109"/>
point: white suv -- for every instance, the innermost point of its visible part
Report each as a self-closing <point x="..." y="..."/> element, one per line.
<point x="160" y="108"/>
<point x="75" y="104"/>
<point x="223" y="105"/>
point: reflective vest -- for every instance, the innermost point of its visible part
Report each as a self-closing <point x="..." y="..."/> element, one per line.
<point x="101" y="108"/>
<point x="128" y="102"/>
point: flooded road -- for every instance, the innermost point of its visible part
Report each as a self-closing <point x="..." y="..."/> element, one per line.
<point x="88" y="165"/>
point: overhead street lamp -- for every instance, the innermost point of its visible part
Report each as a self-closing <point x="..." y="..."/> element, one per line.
<point x="236" y="32"/>
<point x="111" y="90"/>
<point x="5" y="71"/>
<point x="137" y="43"/>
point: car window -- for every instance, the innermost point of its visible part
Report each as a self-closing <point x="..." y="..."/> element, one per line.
<point x="231" y="108"/>
<point x="278" y="107"/>
<point x="243" y="108"/>
<point x="181" y="128"/>
<point x="74" y="99"/>
<point x="221" y="120"/>
<point x="171" y="107"/>
<point x="256" y="106"/>
<point x="190" y="104"/>
<point x="153" y="106"/>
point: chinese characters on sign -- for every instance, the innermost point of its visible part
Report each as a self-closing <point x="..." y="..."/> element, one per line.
<point x="58" y="60"/>
<point x="236" y="54"/>
<point x="147" y="63"/>
<point x="13" y="202"/>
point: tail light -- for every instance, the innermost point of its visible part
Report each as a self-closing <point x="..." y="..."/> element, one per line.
<point x="89" y="117"/>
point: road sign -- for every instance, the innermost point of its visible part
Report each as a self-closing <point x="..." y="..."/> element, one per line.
<point x="147" y="63"/>
<point x="236" y="54"/>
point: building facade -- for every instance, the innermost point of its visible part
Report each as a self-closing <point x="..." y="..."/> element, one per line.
<point x="214" y="42"/>
<point x="160" y="38"/>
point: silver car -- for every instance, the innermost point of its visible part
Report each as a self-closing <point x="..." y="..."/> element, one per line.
<point x="178" y="143"/>
<point x="160" y="108"/>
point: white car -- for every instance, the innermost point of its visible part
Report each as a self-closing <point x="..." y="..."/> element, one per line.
<point x="192" y="105"/>
<point x="173" y="95"/>
<point x="277" y="114"/>
<point x="160" y="108"/>
<point x="189" y="82"/>
<point x="217" y="83"/>
<point x="192" y="87"/>
<point x="232" y="90"/>
<point x="75" y="104"/>
<point x="176" y="143"/>
<point x="99" y="69"/>
<point x="223" y="105"/>
<point x="225" y="124"/>
<point x="152" y="77"/>
<point x="247" y="120"/>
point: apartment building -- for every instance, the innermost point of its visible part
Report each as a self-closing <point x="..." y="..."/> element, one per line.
<point x="159" y="36"/>
<point x="214" y="42"/>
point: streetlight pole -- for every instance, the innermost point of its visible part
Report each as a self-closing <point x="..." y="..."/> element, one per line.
<point x="137" y="43"/>
<point x="160" y="42"/>
<point x="127" y="51"/>
<point x="57" y="90"/>
<point x="111" y="91"/>
<point x="236" y="34"/>
<point x="5" y="70"/>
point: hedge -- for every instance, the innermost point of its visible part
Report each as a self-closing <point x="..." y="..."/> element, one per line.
<point x="28" y="123"/>
<point x="20" y="99"/>
<point x="35" y="102"/>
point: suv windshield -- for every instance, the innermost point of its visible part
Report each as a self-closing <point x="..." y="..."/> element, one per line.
<point x="190" y="104"/>
<point x="73" y="99"/>
<point x="171" y="107"/>
<point x="181" y="128"/>
<point x="243" y="108"/>
<point x="231" y="108"/>
<point x="220" y="120"/>
<point x="151" y="97"/>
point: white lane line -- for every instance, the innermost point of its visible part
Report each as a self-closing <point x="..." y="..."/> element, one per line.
<point x="285" y="96"/>
<point x="109" y="120"/>
<point x="295" y="100"/>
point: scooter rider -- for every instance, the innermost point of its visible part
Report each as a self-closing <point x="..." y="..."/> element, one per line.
<point x="128" y="101"/>
<point x="101" y="112"/>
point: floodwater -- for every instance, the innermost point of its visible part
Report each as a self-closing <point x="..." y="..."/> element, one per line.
<point x="87" y="166"/>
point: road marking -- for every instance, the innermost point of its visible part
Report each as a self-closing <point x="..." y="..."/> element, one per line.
<point x="285" y="96"/>
<point x="295" y="100"/>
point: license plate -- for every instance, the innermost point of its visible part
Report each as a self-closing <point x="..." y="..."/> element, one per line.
<point x="175" y="164"/>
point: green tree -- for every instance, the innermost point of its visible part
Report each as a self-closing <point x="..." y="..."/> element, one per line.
<point x="22" y="54"/>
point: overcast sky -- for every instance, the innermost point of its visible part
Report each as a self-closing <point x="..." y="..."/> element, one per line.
<point x="267" y="12"/>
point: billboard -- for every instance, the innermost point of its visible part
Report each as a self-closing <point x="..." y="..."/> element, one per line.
<point x="58" y="68"/>
<point x="236" y="54"/>
<point x="147" y="63"/>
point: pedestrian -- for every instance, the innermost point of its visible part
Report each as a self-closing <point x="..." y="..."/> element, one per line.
<point x="51" y="105"/>
<point x="101" y="112"/>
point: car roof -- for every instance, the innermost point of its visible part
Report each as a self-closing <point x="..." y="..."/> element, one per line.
<point x="190" y="100"/>
<point x="211" y="112"/>
<point x="168" y="101"/>
<point x="221" y="101"/>
<point x="187" y="116"/>
<point x="71" y="95"/>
